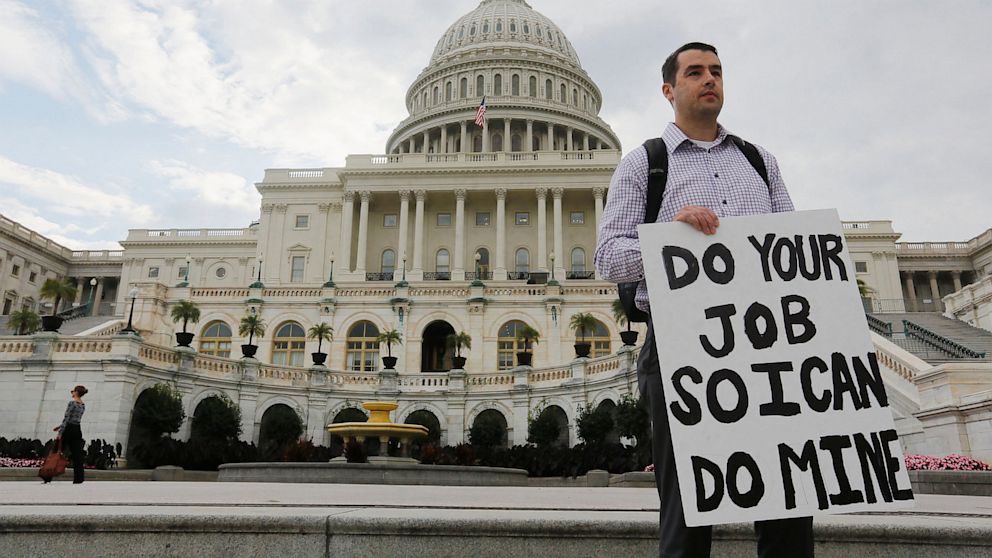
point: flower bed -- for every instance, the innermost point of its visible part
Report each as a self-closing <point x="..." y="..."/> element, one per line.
<point x="952" y="462"/>
<point x="11" y="462"/>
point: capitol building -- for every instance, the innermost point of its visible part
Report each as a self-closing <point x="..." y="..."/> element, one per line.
<point x="454" y="227"/>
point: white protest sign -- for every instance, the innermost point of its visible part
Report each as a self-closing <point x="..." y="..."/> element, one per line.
<point x="775" y="399"/>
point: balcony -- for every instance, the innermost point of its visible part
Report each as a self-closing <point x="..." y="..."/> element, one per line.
<point x="480" y="275"/>
<point x="437" y="276"/>
<point x="580" y="274"/>
<point x="384" y="276"/>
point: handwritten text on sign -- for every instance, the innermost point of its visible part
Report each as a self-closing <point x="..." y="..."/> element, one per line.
<point x="776" y="402"/>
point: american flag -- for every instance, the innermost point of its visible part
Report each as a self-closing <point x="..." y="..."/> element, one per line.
<point x="480" y="115"/>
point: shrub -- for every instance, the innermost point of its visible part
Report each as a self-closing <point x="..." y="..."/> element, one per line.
<point x="159" y="410"/>
<point x="280" y="426"/>
<point x="543" y="430"/>
<point x="216" y="418"/>
<point x="354" y="452"/>
<point x="594" y="425"/>
<point x="486" y="432"/>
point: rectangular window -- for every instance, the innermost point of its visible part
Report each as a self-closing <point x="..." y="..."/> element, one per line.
<point x="182" y="272"/>
<point x="861" y="267"/>
<point x="522" y="218"/>
<point x="152" y="272"/>
<point x="296" y="275"/>
<point x="16" y="270"/>
<point x="32" y="277"/>
<point x="303" y="221"/>
<point x="444" y="219"/>
<point x="577" y="218"/>
<point x="389" y="220"/>
<point x="482" y="219"/>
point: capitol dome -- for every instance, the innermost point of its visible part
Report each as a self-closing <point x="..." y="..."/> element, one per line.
<point x="538" y="96"/>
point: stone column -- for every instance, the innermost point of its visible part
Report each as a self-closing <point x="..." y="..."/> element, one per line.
<point x="585" y="142"/>
<point x="95" y="311"/>
<point x="551" y="137"/>
<point x="413" y="145"/>
<point x="597" y="194"/>
<point x="464" y="146"/>
<point x="80" y="284"/>
<point x="404" y="229"/>
<point x="485" y="136"/>
<point x="568" y="138"/>
<point x="530" y="136"/>
<point x="320" y="272"/>
<point x="542" y="230"/>
<point x="347" y="216"/>
<point x="418" y="236"/>
<point x="956" y="276"/>
<point x="506" y="135"/>
<point x="444" y="140"/>
<point x="458" y="271"/>
<point x="935" y="291"/>
<point x="363" y="234"/>
<point x="910" y="290"/>
<point x="559" y="256"/>
<point x="499" y="272"/>
<point x="427" y="141"/>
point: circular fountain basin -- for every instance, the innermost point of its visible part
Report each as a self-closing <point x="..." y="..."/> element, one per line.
<point x="372" y="473"/>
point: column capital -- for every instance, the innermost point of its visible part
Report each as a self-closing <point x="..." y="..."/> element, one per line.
<point x="348" y="196"/>
<point x="324" y="207"/>
<point x="267" y="208"/>
<point x="281" y="208"/>
<point x="336" y="206"/>
<point x="421" y="195"/>
<point x="932" y="274"/>
<point x="404" y="195"/>
<point x="500" y="193"/>
<point x="541" y="192"/>
<point x="557" y="193"/>
<point x="460" y="193"/>
<point x="366" y="196"/>
<point x="598" y="192"/>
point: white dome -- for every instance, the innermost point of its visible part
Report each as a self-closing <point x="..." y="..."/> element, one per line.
<point x="504" y="23"/>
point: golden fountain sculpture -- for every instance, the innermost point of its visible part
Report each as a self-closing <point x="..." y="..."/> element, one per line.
<point x="379" y="426"/>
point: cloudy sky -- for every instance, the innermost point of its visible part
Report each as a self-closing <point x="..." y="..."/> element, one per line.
<point x="120" y="114"/>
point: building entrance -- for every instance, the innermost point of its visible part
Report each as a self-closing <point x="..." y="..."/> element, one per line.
<point x="434" y="356"/>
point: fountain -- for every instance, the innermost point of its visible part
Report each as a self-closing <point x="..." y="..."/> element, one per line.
<point x="380" y="469"/>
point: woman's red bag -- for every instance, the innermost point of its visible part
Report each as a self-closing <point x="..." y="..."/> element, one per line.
<point x="55" y="463"/>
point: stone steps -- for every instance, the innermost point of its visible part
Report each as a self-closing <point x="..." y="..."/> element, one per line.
<point x="955" y="330"/>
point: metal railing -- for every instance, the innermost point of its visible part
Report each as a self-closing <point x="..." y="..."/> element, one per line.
<point x="938" y="341"/>
<point x="75" y="312"/>
<point x="473" y="275"/>
<point x="517" y="275"/>
<point x="437" y="276"/>
<point x="580" y="274"/>
<point x="384" y="276"/>
<point x="880" y="327"/>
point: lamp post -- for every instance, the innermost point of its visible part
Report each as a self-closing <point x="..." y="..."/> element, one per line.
<point x="552" y="281"/>
<point x="92" y="292"/>
<point x="330" y="277"/>
<point x="477" y="282"/>
<point x="133" y="295"/>
<point x="258" y="282"/>
<point x="185" y="282"/>
<point x="403" y="282"/>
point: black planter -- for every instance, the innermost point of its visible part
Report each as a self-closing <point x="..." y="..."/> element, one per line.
<point x="629" y="337"/>
<point x="51" y="323"/>
<point x="524" y="358"/>
<point x="582" y="350"/>
<point x="248" y="351"/>
<point x="183" y="339"/>
<point x="458" y="362"/>
<point x="389" y="362"/>
<point x="318" y="358"/>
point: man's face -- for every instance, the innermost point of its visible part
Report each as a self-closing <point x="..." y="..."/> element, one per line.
<point x="698" y="88"/>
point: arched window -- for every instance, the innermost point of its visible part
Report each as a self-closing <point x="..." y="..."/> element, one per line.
<point x="535" y="143"/>
<point x="515" y="142"/>
<point x="526" y="28"/>
<point x="515" y="84"/>
<point x="578" y="260"/>
<point x="497" y="142"/>
<point x="540" y="33"/>
<point x="461" y="32"/>
<point x="499" y="25"/>
<point x="485" y="26"/>
<point x="563" y="97"/>
<point x="471" y="31"/>
<point x="548" y="89"/>
<point x="216" y="340"/>
<point x="441" y="261"/>
<point x="362" y="354"/>
<point x="434" y="98"/>
<point x="532" y="86"/>
<point x="575" y="97"/>
<point x="388" y="261"/>
<point x="447" y="91"/>
<point x="497" y="84"/>
<point x="521" y="260"/>
<point x="480" y="86"/>
<point x="477" y="144"/>
<point x="599" y="337"/>
<point x="513" y="26"/>
<point x="463" y="88"/>
<point x="507" y="345"/>
<point x="288" y="344"/>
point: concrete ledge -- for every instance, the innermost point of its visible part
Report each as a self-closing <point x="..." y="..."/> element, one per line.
<point x="962" y="483"/>
<point x="636" y="479"/>
<point x="372" y="473"/>
<point x="31" y="474"/>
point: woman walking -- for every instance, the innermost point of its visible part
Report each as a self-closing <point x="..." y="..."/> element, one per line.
<point x="72" y="434"/>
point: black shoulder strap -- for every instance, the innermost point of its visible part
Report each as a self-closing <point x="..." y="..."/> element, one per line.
<point x="753" y="156"/>
<point x="657" y="177"/>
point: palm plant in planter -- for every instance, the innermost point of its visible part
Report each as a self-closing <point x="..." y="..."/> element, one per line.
<point x="56" y="290"/>
<point x="321" y="332"/>
<point x="582" y="323"/>
<point x="251" y="325"/>
<point x="389" y="337"/>
<point x="457" y="342"/>
<point x="629" y="336"/>
<point x="23" y="321"/>
<point x="185" y="311"/>
<point x="529" y="336"/>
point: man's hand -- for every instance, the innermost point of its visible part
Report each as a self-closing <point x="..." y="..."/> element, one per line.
<point x="57" y="428"/>
<point x="701" y="218"/>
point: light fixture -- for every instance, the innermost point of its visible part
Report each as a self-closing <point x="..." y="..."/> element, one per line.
<point x="133" y="295"/>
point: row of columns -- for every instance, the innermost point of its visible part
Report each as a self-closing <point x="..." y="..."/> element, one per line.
<point x="458" y="264"/>
<point x="444" y="145"/>
<point x="96" y="292"/>
<point x="909" y="279"/>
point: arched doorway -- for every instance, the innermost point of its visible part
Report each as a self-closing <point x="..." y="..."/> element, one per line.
<point x="614" y="436"/>
<point x="350" y="414"/>
<point x="428" y="419"/>
<point x="434" y="356"/>
<point x="489" y="430"/>
<point x="280" y="426"/>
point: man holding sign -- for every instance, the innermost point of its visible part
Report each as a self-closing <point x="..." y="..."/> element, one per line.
<point x="709" y="177"/>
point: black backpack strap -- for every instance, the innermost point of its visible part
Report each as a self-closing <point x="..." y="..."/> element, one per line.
<point x="657" y="177"/>
<point x="754" y="157"/>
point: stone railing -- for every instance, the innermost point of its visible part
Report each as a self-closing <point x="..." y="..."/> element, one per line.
<point x="593" y="157"/>
<point x="897" y="359"/>
<point x="219" y="293"/>
<point x="590" y="290"/>
<point x="554" y="374"/>
<point x="502" y="380"/>
<point x="83" y="345"/>
<point x="183" y="235"/>
<point x="155" y="353"/>
<point x="290" y="292"/>
<point x="538" y="290"/>
<point x="427" y="380"/>
<point x="365" y="292"/>
<point x="15" y="346"/>
<point x="282" y="374"/>
<point x="611" y="363"/>
<point x="100" y="256"/>
<point x="439" y="291"/>
<point x="18" y="230"/>
<point x="353" y="378"/>
<point x="216" y="365"/>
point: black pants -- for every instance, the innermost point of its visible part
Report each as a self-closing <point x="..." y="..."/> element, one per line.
<point x="72" y="439"/>
<point x="783" y="538"/>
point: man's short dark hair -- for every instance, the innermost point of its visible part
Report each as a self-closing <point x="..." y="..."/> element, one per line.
<point x="671" y="66"/>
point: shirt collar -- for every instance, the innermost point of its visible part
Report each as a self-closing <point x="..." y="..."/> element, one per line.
<point x="674" y="136"/>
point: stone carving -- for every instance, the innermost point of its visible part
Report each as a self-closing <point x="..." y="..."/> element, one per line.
<point x="349" y="196"/>
<point x="557" y="192"/>
<point x="501" y="193"/>
<point x="542" y="193"/>
<point x="267" y="208"/>
<point x="460" y="194"/>
<point x="366" y="196"/>
<point x="421" y="195"/>
<point x="598" y="192"/>
<point x="404" y="195"/>
<point x="324" y="207"/>
<point x="281" y="208"/>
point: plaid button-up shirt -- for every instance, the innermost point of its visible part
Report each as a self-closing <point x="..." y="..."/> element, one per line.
<point x="719" y="178"/>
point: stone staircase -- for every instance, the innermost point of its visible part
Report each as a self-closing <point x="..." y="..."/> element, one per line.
<point x="956" y="331"/>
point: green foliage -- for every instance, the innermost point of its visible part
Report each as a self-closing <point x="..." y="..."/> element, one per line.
<point x="458" y="341"/>
<point x="24" y="321"/>
<point x="582" y="323"/>
<point x="594" y="425"/>
<point x="388" y="338"/>
<point x="280" y="426"/>
<point x="216" y="418"/>
<point x="159" y="410"/>
<point x="185" y="311"/>
<point x="321" y="332"/>
<point x="528" y="335"/>
<point x="426" y="419"/>
<point x="57" y="289"/>
<point x="619" y="315"/>
<point x="252" y="326"/>
<point x="633" y="419"/>
<point x="544" y="429"/>
<point x="487" y="431"/>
